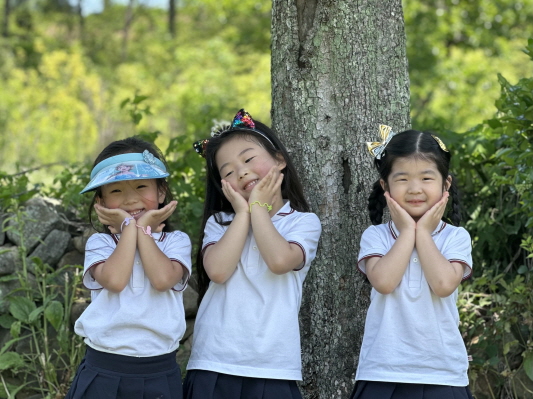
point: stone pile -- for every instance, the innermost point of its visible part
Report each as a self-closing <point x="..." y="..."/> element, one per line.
<point x="47" y="233"/>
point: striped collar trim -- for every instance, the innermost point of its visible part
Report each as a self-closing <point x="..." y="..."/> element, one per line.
<point x="285" y="210"/>
<point x="395" y="233"/>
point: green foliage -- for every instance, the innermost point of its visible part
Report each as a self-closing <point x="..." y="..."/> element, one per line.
<point x="39" y="318"/>
<point x="455" y="49"/>
<point x="494" y="170"/>
<point x="496" y="317"/>
<point x="15" y="188"/>
<point x="493" y="167"/>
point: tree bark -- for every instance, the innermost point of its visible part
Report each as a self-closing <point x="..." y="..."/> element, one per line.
<point x="172" y="18"/>
<point x="5" y="22"/>
<point x="128" y="20"/>
<point x="339" y="69"/>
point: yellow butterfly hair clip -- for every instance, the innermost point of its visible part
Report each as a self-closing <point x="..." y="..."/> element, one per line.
<point x="377" y="148"/>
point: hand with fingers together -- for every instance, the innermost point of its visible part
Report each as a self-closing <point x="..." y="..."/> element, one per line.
<point x="154" y="218"/>
<point x="267" y="188"/>
<point x="237" y="201"/>
<point x="402" y="220"/>
<point x="431" y="219"/>
<point x="112" y="218"/>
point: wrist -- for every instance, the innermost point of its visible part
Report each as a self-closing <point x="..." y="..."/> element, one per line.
<point x="258" y="204"/>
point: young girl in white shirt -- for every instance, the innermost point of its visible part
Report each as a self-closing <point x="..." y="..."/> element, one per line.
<point x="258" y="243"/>
<point x="412" y="347"/>
<point x="136" y="271"/>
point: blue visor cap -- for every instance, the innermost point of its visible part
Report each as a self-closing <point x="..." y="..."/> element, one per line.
<point x="132" y="166"/>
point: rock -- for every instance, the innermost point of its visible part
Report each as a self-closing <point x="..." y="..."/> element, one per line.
<point x="523" y="386"/>
<point x="41" y="218"/>
<point x="52" y="248"/>
<point x="5" y="288"/>
<point x="80" y="241"/>
<point x="9" y="260"/>
<point x="190" y="299"/>
<point x="188" y="330"/>
<point x="77" y="309"/>
<point x="2" y="232"/>
<point x="71" y="258"/>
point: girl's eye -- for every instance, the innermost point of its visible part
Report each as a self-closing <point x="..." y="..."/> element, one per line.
<point x="141" y="186"/>
<point x="227" y="174"/>
<point x="249" y="159"/>
<point x="116" y="190"/>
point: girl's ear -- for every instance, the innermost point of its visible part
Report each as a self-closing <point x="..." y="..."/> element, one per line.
<point x="383" y="184"/>
<point x="99" y="200"/>
<point x="281" y="162"/>
<point x="448" y="183"/>
<point x="162" y="195"/>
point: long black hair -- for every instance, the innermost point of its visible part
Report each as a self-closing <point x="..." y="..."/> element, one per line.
<point x="216" y="202"/>
<point x="412" y="144"/>
<point x="126" y="146"/>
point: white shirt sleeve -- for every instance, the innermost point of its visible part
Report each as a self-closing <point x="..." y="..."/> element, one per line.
<point x="98" y="249"/>
<point x="305" y="232"/>
<point x="213" y="231"/>
<point x="372" y="244"/>
<point x="458" y="248"/>
<point x="177" y="247"/>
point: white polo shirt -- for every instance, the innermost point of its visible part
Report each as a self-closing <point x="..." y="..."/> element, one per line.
<point x="248" y="326"/>
<point x="412" y="335"/>
<point x="139" y="320"/>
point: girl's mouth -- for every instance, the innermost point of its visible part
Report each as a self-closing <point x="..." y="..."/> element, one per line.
<point x="250" y="185"/>
<point x="136" y="213"/>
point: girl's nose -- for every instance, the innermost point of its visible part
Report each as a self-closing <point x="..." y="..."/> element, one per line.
<point x="131" y="196"/>
<point x="242" y="174"/>
<point x="414" y="188"/>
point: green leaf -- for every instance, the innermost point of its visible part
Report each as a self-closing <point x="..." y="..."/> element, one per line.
<point x="523" y="269"/>
<point x="15" y="329"/>
<point x="34" y="315"/>
<point x="54" y="314"/>
<point x="10" y="360"/>
<point x="21" y="307"/>
<point x="138" y="99"/>
<point x="528" y="364"/>
<point x="6" y="321"/>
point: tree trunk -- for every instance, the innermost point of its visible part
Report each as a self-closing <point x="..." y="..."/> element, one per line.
<point x="128" y="19"/>
<point x="172" y="18"/>
<point x="339" y="69"/>
<point x="81" y="20"/>
<point x="5" y="23"/>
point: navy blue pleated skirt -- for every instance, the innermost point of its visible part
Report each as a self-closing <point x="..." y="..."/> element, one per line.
<point x="202" y="384"/>
<point x="395" y="390"/>
<point x="108" y="376"/>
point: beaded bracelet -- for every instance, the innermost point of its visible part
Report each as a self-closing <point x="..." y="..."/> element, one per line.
<point x="147" y="231"/>
<point x="125" y="222"/>
<point x="269" y="207"/>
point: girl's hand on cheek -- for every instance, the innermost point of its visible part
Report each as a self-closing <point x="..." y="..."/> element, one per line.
<point x="402" y="220"/>
<point x="112" y="218"/>
<point x="268" y="187"/>
<point x="431" y="219"/>
<point x="236" y="200"/>
<point x="155" y="217"/>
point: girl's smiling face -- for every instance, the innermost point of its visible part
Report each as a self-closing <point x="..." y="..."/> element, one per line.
<point x="133" y="196"/>
<point x="416" y="185"/>
<point x="242" y="162"/>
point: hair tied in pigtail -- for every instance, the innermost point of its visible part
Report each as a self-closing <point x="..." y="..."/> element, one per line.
<point x="376" y="149"/>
